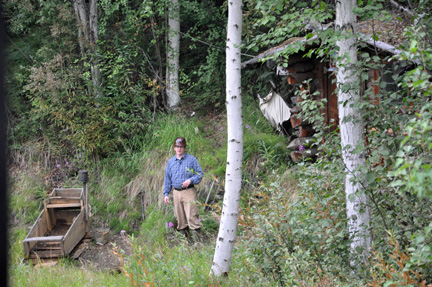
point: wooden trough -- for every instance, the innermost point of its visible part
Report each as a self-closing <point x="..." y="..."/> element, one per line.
<point x="61" y="225"/>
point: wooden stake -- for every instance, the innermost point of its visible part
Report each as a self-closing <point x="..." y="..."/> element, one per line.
<point x="142" y="205"/>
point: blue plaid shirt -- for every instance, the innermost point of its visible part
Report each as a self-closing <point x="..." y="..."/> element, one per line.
<point x="179" y="170"/>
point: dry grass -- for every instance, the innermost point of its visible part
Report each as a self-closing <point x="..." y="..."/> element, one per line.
<point x="390" y="32"/>
<point x="150" y="179"/>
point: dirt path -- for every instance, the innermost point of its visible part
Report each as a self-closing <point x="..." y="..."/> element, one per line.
<point x="100" y="257"/>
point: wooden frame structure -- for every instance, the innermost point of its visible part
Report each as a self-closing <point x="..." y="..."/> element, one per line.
<point x="61" y="225"/>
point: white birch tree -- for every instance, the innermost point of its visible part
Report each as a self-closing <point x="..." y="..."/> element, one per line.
<point x="228" y="224"/>
<point x="351" y="129"/>
<point x="173" y="55"/>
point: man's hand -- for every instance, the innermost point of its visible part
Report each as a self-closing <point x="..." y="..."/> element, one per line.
<point x="186" y="183"/>
<point x="166" y="199"/>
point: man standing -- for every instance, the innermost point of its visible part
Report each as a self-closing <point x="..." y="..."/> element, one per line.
<point x="182" y="173"/>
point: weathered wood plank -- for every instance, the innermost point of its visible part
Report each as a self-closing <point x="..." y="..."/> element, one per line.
<point x="64" y="205"/>
<point x="46" y="254"/>
<point x="75" y="233"/>
<point x="65" y="197"/>
<point x="39" y="228"/>
<point x="48" y="247"/>
<point x="68" y="192"/>
<point x="44" y="238"/>
<point x="64" y="200"/>
<point x="66" y="216"/>
<point x="47" y="216"/>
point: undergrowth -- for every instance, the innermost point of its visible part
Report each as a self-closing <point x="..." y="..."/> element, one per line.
<point x="115" y="186"/>
<point x="292" y="221"/>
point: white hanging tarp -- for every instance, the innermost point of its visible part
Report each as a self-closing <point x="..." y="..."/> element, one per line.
<point x="274" y="109"/>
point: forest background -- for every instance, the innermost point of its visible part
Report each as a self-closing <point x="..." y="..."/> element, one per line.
<point x="293" y="226"/>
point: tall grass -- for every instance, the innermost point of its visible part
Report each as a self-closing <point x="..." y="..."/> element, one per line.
<point x="166" y="259"/>
<point x="65" y="274"/>
<point x="115" y="186"/>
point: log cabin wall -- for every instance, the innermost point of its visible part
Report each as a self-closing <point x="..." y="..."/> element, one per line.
<point x="320" y="72"/>
<point x="301" y="69"/>
<point x="324" y="81"/>
<point x="328" y="92"/>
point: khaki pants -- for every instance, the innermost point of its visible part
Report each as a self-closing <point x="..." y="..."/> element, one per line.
<point x="185" y="208"/>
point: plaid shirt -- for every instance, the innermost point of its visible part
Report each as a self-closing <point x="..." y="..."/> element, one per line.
<point x="179" y="170"/>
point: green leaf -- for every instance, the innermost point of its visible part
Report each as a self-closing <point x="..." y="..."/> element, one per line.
<point x="371" y="177"/>
<point x="413" y="46"/>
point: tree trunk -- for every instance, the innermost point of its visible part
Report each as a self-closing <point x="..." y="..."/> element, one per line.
<point x="159" y="72"/>
<point x="94" y="35"/>
<point x="228" y="224"/>
<point x="81" y="38"/>
<point x="87" y="38"/>
<point x="172" y="70"/>
<point x="351" y="130"/>
<point x="83" y="33"/>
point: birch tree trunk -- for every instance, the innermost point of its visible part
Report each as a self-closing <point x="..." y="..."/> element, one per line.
<point x="87" y="21"/>
<point x="173" y="53"/>
<point x="351" y="129"/>
<point x="228" y="224"/>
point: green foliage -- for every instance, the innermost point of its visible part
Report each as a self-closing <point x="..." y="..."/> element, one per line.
<point x="115" y="175"/>
<point x="167" y="128"/>
<point x="21" y="15"/>
<point x="287" y="237"/>
<point x="52" y="95"/>
<point x="300" y="234"/>
<point x="26" y="201"/>
<point x="394" y="122"/>
<point x="152" y="262"/>
<point x="260" y="137"/>
<point x="205" y="65"/>
<point x="16" y="248"/>
<point x="153" y="228"/>
<point x="413" y="161"/>
<point x="273" y="22"/>
<point x="412" y="177"/>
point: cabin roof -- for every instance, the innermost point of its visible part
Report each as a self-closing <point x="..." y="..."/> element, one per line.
<point x="367" y="32"/>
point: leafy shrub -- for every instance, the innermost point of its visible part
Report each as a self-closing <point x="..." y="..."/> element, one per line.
<point x="299" y="234"/>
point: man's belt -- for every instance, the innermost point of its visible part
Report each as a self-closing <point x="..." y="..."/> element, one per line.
<point x="183" y="188"/>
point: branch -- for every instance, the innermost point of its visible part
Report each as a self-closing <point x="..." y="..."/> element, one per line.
<point x="209" y="44"/>
<point x="275" y="50"/>
<point x="401" y="8"/>
<point x="379" y="44"/>
<point x="13" y="43"/>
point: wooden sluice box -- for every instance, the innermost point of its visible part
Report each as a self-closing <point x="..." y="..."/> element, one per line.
<point x="61" y="225"/>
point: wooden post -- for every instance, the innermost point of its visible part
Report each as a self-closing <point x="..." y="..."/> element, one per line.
<point x="142" y="205"/>
<point x="208" y="195"/>
<point x="47" y="216"/>
<point x="83" y="177"/>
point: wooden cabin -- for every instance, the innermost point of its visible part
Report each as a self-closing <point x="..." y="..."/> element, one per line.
<point x="321" y="78"/>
